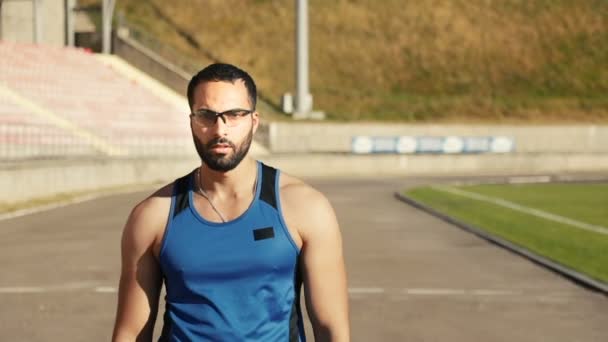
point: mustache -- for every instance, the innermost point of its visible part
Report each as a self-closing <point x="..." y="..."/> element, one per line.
<point x="221" y="140"/>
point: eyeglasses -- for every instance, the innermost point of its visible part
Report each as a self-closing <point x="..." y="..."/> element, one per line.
<point x="208" y="117"/>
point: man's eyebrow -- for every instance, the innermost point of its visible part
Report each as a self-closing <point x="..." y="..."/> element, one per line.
<point x="205" y="110"/>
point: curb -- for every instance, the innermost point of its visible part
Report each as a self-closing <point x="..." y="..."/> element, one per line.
<point x="560" y="269"/>
<point x="74" y="200"/>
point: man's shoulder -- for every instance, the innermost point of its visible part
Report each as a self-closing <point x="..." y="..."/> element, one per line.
<point x="147" y="221"/>
<point x="301" y="197"/>
<point x="305" y="208"/>
<point x="154" y="207"/>
<point x="295" y="189"/>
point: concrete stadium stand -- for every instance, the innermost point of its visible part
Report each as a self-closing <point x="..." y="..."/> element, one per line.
<point x="319" y="149"/>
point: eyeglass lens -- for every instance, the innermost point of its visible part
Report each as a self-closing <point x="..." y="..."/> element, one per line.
<point x="230" y="117"/>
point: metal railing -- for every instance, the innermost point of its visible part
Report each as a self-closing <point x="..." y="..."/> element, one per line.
<point x="40" y="142"/>
<point x="161" y="49"/>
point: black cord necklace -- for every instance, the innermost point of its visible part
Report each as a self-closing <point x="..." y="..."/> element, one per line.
<point x="204" y="194"/>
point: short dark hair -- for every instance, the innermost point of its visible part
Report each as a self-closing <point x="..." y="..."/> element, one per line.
<point x="225" y="73"/>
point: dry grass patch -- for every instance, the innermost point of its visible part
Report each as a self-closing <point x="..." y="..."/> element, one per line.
<point x="408" y="60"/>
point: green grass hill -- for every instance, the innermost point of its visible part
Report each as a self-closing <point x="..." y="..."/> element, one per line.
<point x="429" y="60"/>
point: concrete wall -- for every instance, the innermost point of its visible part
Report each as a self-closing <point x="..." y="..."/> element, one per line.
<point x="335" y="137"/>
<point x="17" y="22"/>
<point x="24" y="181"/>
<point x="340" y="165"/>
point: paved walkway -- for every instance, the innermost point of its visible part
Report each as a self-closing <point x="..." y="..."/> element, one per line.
<point x="412" y="277"/>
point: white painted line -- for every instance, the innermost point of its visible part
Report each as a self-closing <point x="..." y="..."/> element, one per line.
<point x="67" y="287"/>
<point x="81" y="285"/>
<point x="458" y="292"/>
<point x="353" y="291"/>
<point x="365" y="290"/>
<point x="22" y="289"/>
<point x="524" y="209"/>
<point x="95" y="194"/>
<point x="494" y="293"/>
<point x="435" y="292"/>
<point x="106" y="289"/>
<point x="27" y="211"/>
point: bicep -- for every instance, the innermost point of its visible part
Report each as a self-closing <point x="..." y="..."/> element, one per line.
<point x="324" y="274"/>
<point x="140" y="283"/>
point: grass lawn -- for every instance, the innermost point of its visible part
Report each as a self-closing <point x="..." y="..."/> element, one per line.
<point x="579" y="249"/>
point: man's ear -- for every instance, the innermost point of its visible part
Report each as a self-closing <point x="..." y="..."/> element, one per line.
<point x="255" y="116"/>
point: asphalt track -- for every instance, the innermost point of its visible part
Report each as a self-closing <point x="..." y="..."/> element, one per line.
<point x="412" y="277"/>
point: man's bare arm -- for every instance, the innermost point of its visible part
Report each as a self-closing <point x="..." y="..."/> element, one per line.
<point x="324" y="274"/>
<point x="140" y="279"/>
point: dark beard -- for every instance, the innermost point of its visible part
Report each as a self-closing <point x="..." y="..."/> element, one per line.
<point x="222" y="163"/>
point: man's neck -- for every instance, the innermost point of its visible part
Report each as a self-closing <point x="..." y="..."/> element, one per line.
<point x="237" y="182"/>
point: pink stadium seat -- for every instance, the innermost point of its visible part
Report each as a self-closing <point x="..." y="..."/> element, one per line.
<point x="73" y="84"/>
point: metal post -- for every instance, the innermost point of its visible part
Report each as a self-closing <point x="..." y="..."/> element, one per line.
<point x="303" y="102"/>
<point x="37" y="15"/>
<point x="106" y="23"/>
<point x="0" y="19"/>
<point x="69" y="22"/>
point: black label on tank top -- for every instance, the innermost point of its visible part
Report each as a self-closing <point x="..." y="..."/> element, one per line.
<point x="263" y="233"/>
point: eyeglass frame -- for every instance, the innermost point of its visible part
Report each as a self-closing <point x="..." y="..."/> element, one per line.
<point x="221" y="114"/>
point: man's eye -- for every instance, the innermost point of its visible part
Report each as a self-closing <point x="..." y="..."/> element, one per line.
<point x="234" y="113"/>
<point x="206" y="114"/>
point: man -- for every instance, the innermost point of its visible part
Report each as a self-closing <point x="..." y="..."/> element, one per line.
<point x="233" y="240"/>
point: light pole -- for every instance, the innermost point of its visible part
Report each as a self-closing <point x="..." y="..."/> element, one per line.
<point x="303" y="97"/>
<point x="69" y="22"/>
<point x="107" y="11"/>
<point x="37" y="14"/>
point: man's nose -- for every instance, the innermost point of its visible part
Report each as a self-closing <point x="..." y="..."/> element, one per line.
<point x="220" y="123"/>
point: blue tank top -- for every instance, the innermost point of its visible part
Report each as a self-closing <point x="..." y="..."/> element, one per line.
<point x="232" y="281"/>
